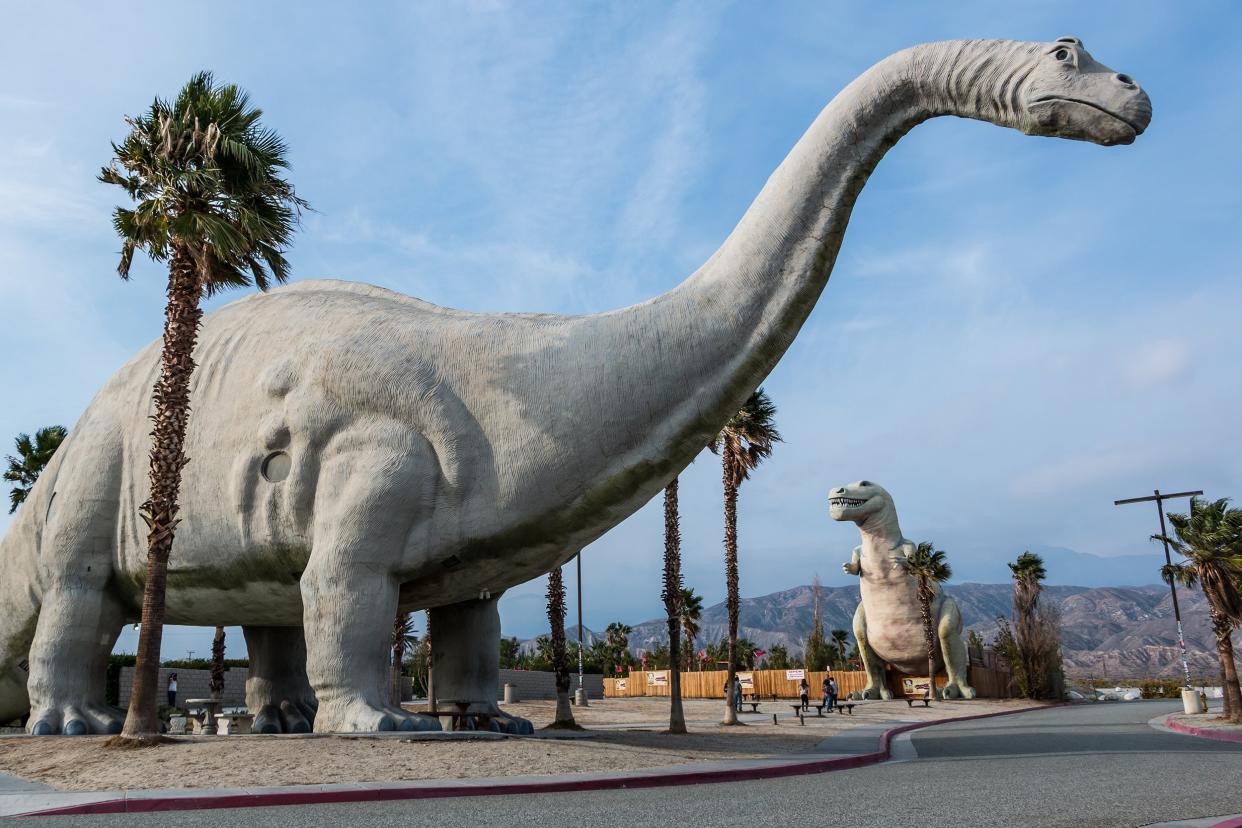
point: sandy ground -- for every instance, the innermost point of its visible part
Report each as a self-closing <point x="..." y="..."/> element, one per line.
<point x="625" y="735"/>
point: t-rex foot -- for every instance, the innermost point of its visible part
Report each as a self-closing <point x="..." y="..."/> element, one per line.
<point x="290" y="716"/>
<point x="355" y="715"/>
<point x="75" y="719"/>
<point x="875" y="693"/>
<point x="958" y="690"/>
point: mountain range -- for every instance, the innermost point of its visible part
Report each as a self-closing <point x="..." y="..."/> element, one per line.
<point x="1106" y="632"/>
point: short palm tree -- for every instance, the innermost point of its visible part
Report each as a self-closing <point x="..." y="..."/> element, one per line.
<point x="1210" y="539"/>
<point x="560" y="662"/>
<point x="32" y="457"/>
<point x="840" y="638"/>
<point x="1028" y="575"/>
<point x="744" y="442"/>
<point x="929" y="568"/>
<point x="404" y="639"/>
<point x="210" y="200"/>
<point x="691" y="612"/>
<point x="674" y="604"/>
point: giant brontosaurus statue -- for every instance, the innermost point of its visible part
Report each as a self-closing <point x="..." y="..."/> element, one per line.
<point x="354" y="450"/>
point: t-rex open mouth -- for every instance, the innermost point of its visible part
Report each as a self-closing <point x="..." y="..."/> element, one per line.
<point x="846" y="501"/>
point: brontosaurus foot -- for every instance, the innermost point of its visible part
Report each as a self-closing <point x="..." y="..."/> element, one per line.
<point x="504" y="723"/>
<point x="290" y="716"/>
<point x="355" y="715"/>
<point x="75" y="720"/>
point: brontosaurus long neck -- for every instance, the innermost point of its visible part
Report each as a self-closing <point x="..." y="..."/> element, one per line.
<point x="724" y="328"/>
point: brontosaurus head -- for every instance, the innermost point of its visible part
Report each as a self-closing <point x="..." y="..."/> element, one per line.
<point x="1067" y="94"/>
<point x="859" y="502"/>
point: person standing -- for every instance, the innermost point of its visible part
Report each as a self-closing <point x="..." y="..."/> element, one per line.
<point x="737" y="695"/>
<point x="827" y="691"/>
<point x="172" y="689"/>
<point x="832" y="693"/>
<point x="804" y="692"/>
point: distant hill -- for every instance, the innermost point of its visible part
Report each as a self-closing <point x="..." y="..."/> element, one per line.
<point x="1106" y="631"/>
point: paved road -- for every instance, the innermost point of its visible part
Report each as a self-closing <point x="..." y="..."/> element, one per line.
<point x="1088" y="765"/>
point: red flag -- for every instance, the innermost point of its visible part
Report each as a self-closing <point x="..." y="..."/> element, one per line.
<point x="760" y="653"/>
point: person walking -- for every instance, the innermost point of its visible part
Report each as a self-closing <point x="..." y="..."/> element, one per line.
<point x="804" y="691"/>
<point x="172" y="689"/>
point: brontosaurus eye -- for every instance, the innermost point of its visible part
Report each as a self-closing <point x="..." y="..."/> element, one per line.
<point x="1062" y="54"/>
<point x="865" y="483"/>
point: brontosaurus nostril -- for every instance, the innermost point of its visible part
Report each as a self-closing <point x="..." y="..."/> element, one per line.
<point x="1126" y="79"/>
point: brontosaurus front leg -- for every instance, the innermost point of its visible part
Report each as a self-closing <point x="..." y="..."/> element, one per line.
<point x="956" y="662"/>
<point x="465" y="648"/>
<point x="368" y="497"/>
<point x="877" y="685"/>
<point x="277" y="689"/>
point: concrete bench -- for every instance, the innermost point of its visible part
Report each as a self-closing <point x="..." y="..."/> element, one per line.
<point x="234" y="723"/>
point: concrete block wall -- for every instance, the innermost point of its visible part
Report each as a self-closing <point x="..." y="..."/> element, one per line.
<point x="191" y="684"/>
<point x="531" y="684"/>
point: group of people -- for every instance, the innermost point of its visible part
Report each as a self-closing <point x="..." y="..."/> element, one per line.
<point x="829" y="689"/>
<point x="804" y="689"/>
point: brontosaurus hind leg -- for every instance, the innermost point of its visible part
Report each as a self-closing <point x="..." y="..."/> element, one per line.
<point x="877" y="686"/>
<point x="956" y="662"/>
<point x="465" y="647"/>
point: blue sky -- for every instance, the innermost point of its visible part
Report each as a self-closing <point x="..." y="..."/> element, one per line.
<point x="1018" y="331"/>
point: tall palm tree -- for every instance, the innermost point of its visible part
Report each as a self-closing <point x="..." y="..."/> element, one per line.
<point x="1210" y="538"/>
<point x="691" y="612"/>
<point x="1036" y="638"/>
<point x="210" y="200"/>
<point x="216" y="684"/>
<point x="560" y="662"/>
<point x="674" y="604"/>
<point x="928" y="566"/>
<point x="1028" y="575"/>
<point x="32" y="457"/>
<point x="744" y="442"/>
<point x="403" y="639"/>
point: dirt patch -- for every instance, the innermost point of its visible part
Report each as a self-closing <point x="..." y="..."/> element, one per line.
<point x="625" y="735"/>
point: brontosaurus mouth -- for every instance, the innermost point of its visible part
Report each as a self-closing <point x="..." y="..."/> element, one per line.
<point x="1138" y="128"/>
<point x="846" y="501"/>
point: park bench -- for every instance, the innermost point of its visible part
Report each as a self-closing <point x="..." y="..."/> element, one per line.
<point x="234" y="723"/>
<point x="818" y="708"/>
<point x="925" y="699"/>
<point x="753" y="701"/>
<point x="844" y="707"/>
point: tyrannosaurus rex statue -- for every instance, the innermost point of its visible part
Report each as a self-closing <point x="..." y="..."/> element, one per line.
<point x="355" y="451"/>
<point x="888" y="624"/>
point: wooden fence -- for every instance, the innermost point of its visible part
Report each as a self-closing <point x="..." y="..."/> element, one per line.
<point x="989" y="682"/>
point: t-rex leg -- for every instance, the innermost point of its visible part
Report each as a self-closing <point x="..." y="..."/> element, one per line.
<point x="465" y="651"/>
<point x="956" y="663"/>
<point x="877" y="685"/>
<point x="277" y="689"/>
<point x="368" y="498"/>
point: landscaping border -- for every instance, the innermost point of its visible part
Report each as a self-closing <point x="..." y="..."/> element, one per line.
<point x="185" y="800"/>
<point x="1201" y="732"/>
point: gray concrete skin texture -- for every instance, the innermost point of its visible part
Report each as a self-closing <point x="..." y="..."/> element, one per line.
<point x="1081" y="766"/>
<point x="888" y="624"/>
<point x="355" y="451"/>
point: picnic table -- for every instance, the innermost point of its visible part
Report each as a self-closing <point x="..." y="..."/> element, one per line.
<point x="461" y="717"/>
<point x="209" y="707"/>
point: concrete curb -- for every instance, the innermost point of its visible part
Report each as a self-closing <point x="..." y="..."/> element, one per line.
<point x="185" y="800"/>
<point x="1202" y="732"/>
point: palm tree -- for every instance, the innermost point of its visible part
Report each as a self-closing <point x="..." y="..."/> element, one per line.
<point x="1036" y="630"/>
<point x="927" y="565"/>
<point x="1028" y="575"/>
<point x="691" y="612"/>
<point x="840" y="638"/>
<point x="205" y="177"/>
<point x="674" y="604"/>
<point x="617" y="641"/>
<point x="216" y="684"/>
<point x="744" y="442"/>
<point x="32" y="457"/>
<point x="403" y="639"/>
<point x="560" y="663"/>
<point x="1210" y="538"/>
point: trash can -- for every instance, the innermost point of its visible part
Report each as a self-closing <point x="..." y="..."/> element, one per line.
<point x="511" y="695"/>
<point x="1191" y="702"/>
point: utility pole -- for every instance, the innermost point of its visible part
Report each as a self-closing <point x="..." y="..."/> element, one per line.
<point x="1159" y="500"/>
<point x="581" y="694"/>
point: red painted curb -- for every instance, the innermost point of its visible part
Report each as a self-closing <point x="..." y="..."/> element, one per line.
<point x="1232" y="822"/>
<point x="653" y="780"/>
<point x="1205" y="733"/>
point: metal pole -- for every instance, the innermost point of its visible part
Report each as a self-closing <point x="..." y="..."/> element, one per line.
<point x="1168" y="559"/>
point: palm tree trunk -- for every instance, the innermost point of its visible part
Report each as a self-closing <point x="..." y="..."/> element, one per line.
<point x="560" y="664"/>
<point x="398" y="656"/>
<point x="731" y="580"/>
<point x="1224" y="647"/>
<point x="431" y="664"/>
<point x="172" y="411"/>
<point x="217" y="664"/>
<point x="929" y="638"/>
<point x="672" y="604"/>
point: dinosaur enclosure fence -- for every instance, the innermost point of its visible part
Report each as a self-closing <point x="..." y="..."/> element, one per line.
<point x="988" y="681"/>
